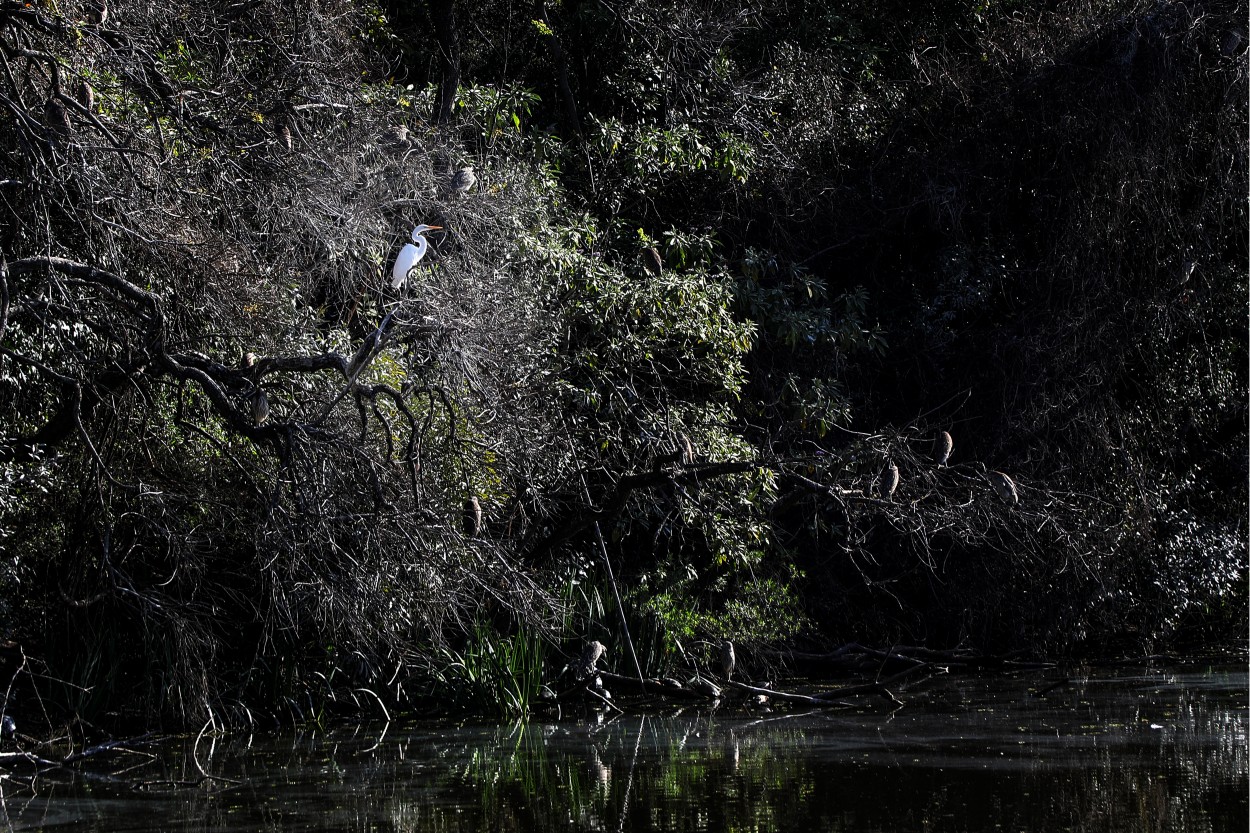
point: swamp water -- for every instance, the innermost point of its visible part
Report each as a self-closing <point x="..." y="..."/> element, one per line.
<point x="1145" y="750"/>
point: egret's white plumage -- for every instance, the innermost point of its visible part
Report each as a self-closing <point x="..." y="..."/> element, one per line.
<point x="410" y="255"/>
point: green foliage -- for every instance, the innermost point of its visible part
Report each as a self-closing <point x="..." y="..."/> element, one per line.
<point x="875" y="222"/>
<point x="492" y="674"/>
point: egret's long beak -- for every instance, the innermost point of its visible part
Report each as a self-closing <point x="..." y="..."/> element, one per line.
<point x="431" y="228"/>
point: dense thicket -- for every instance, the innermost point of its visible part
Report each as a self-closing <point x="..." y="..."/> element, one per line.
<point x="1023" y="225"/>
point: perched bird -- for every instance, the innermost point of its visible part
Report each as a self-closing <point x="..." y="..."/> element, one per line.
<point x="285" y="139"/>
<point x="462" y="181"/>
<point x="396" y="138"/>
<point x="57" y="118"/>
<point x="889" y="480"/>
<point x="1230" y="42"/>
<point x="585" y="665"/>
<point x="410" y="255"/>
<point x="942" y="447"/>
<point x="86" y="95"/>
<point x="247" y="361"/>
<point x="727" y="659"/>
<point x="473" y="517"/>
<point x="705" y="687"/>
<point x="687" y="450"/>
<point x="1005" y="486"/>
<point x="97" y="12"/>
<point x="652" y="260"/>
<point x="260" y="407"/>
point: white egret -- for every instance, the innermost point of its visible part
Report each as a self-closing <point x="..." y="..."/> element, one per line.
<point x="410" y="255"/>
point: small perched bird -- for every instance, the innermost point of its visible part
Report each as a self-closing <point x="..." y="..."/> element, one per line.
<point x="247" y="361"/>
<point x="889" y="480"/>
<point x="473" y="517"/>
<point x="585" y="665"/>
<point x="260" y="407"/>
<point x="462" y="181"/>
<point x="86" y="95"/>
<point x="1005" y="486"/>
<point x="97" y="12"/>
<point x="57" y="118"/>
<point x="705" y="687"/>
<point x="285" y="139"/>
<point x="396" y="138"/>
<point x="942" y="447"/>
<point x="727" y="659"/>
<point x="1230" y="42"/>
<point x="652" y="260"/>
<point x="687" y="450"/>
<point x="410" y="255"/>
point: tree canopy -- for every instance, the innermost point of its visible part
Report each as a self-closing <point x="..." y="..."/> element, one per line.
<point x="242" y="475"/>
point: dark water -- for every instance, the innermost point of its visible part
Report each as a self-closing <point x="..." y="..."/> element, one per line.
<point x="1143" y="751"/>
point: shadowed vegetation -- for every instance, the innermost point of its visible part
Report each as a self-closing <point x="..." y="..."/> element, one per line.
<point x="1023" y="226"/>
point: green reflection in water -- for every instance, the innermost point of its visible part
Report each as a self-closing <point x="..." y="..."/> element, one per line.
<point x="1106" y="753"/>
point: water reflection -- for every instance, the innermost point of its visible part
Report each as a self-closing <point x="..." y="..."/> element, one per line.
<point x="1105" y="753"/>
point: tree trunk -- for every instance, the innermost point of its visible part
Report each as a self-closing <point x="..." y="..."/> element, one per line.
<point x="567" y="102"/>
<point x="443" y="15"/>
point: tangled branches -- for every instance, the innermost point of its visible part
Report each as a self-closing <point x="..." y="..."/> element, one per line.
<point x="252" y="443"/>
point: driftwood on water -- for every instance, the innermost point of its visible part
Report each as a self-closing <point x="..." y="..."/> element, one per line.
<point x="830" y="697"/>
